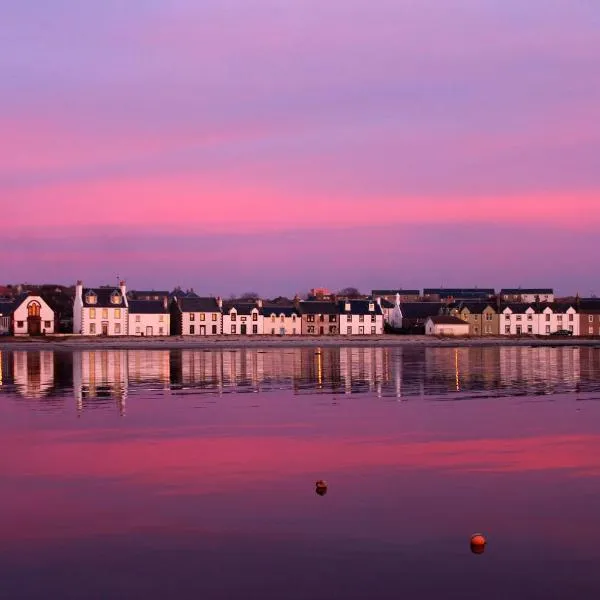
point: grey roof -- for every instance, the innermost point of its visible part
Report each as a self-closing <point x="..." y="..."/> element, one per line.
<point x="137" y="293"/>
<point x="316" y="307"/>
<point x="387" y="304"/>
<point x="394" y="292"/>
<point x="147" y="307"/>
<point x="475" y="308"/>
<point x="517" y="307"/>
<point x="518" y="291"/>
<point x="7" y="307"/>
<point x="459" y="292"/>
<point x="198" y="304"/>
<point x="103" y="297"/>
<point x="447" y="320"/>
<point x="359" y="307"/>
<point x="278" y="309"/>
<point x="421" y="310"/>
<point x="241" y="308"/>
<point x="589" y="305"/>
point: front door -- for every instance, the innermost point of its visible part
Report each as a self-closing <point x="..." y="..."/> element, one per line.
<point x="34" y="325"/>
<point x="148" y="329"/>
<point x="243" y="329"/>
<point x="104" y="327"/>
<point x="202" y="329"/>
<point x="519" y="329"/>
<point x="321" y="330"/>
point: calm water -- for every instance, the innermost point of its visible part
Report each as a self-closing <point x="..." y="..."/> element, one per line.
<point x="190" y="474"/>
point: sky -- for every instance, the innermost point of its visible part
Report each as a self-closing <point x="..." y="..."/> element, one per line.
<point x="268" y="146"/>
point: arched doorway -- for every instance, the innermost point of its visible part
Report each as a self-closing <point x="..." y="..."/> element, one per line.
<point x="34" y="318"/>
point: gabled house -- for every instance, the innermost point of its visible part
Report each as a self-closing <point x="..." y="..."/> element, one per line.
<point x="100" y="311"/>
<point x="557" y="316"/>
<point x="527" y="295"/>
<point x="194" y="315"/>
<point x="149" y="317"/>
<point x="518" y="318"/>
<point x="27" y="314"/>
<point x="538" y="318"/>
<point x="281" y="320"/>
<point x="481" y="317"/>
<point x="319" y="317"/>
<point x="589" y="316"/>
<point x="243" y="318"/>
<point x="360" y="317"/>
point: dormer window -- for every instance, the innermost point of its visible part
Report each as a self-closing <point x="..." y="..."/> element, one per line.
<point x="91" y="298"/>
<point x="347" y="306"/>
<point x="115" y="298"/>
<point x="371" y="306"/>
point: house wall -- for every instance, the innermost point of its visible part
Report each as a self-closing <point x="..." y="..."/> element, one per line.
<point x="369" y="325"/>
<point x="589" y="324"/>
<point x="94" y="317"/>
<point x="282" y="325"/>
<point x="543" y="323"/>
<point x="20" y="316"/>
<point x="204" y="323"/>
<point x="160" y="324"/>
<point x="314" y="327"/>
<point x="432" y="328"/>
<point x="480" y="324"/>
<point x="243" y="320"/>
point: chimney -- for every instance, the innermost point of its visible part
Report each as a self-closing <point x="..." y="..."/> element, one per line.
<point x="259" y="303"/>
<point x="123" y="288"/>
<point x="220" y="301"/>
<point x="165" y="302"/>
<point x="79" y="289"/>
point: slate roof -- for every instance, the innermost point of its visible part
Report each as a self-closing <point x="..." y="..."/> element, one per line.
<point x="316" y="307"/>
<point x="394" y="292"/>
<point x="136" y="294"/>
<point x="7" y="307"/>
<point x="459" y="292"/>
<point x="421" y="310"/>
<point x="147" y="307"/>
<point x="589" y="305"/>
<point x="103" y="297"/>
<point x="278" y="310"/>
<point x="475" y="308"/>
<point x="518" y="308"/>
<point x="242" y="308"/>
<point x="518" y="291"/>
<point x="359" y="307"/>
<point x="387" y="304"/>
<point x="447" y="320"/>
<point x="198" y="304"/>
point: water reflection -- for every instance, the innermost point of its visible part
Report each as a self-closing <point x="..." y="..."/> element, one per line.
<point x="98" y="377"/>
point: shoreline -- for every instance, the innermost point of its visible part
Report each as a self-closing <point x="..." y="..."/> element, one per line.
<point x="68" y="342"/>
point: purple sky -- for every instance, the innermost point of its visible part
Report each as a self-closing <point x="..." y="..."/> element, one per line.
<point x="252" y="144"/>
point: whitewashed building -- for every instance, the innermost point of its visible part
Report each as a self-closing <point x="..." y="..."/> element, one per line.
<point x="196" y="316"/>
<point x="527" y="295"/>
<point x="243" y="318"/>
<point x="519" y="319"/>
<point x="538" y="319"/>
<point x="27" y="314"/>
<point x="360" y="317"/>
<point x="559" y="317"/>
<point x="100" y="311"/>
<point x="281" y="320"/>
<point x="149" y="317"/>
<point x="446" y="325"/>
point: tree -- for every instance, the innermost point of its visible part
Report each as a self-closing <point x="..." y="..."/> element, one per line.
<point x="349" y="292"/>
<point x="249" y="296"/>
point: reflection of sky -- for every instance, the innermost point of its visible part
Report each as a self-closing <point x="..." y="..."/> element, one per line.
<point x="420" y="126"/>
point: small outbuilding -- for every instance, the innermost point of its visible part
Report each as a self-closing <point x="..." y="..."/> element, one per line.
<point x="446" y="325"/>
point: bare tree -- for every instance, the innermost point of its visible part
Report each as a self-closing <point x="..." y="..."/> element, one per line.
<point x="249" y="296"/>
<point x="349" y="292"/>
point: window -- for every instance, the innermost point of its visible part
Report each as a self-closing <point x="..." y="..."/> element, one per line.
<point x="310" y="318"/>
<point x="547" y="316"/>
<point x="202" y="317"/>
<point x="47" y="324"/>
<point x="547" y="328"/>
<point x="529" y="328"/>
<point x="91" y="298"/>
<point x="591" y="331"/>
<point x="349" y="318"/>
<point x="519" y="317"/>
<point x="507" y="316"/>
<point x="571" y="328"/>
<point x="33" y="309"/>
<point x="233" y="316"/>
<point x="373" y="329"/>
<point x="192" y="316"/>
<point x="371" y="306"/>
<point x="361" y="330"/>
<point x="160" y="331"/>
<point x="20" y="323"/>
<point x="105" y="313"/>
<point x="116" y="298"/>
<point x="591" y="319"/>
<point x="233" y="329"/>
<point x="373" y="318"/>
<point x="507" y="329"/>
<point x="272" y="318"/>
<point x="530" y="317"/>
<point x="92" y="328"/>
<point x="361" y="318"/>
<point x="255" y="316"/>
<point x="349" y="330"/>
<point x="192" y="330"/>
<point x="117" y="313"/>
<point x="161" y="318"/>
<point x="559" y="317"/>
<point x="293" y="318"/>
<point x="214" y="329"/>
<point x="570" y="316"/>
<point x="242" y="318"/>
<point x="214" y="316"/>
<point x="488" y="316"/>
<point x="137" y="329"/>
<point x="321" y="318"/>
<point x="272" y="331"/>
<point x="332" y="318"/>
<point x="137" y="318"/>
<point x="282" y="319"/>
<point x="254" y="328"/>
<point x="311" y="329"/>
<point x="332" y="329"/>
<point x="92" y="313"/>
<point x="117" y="328"/>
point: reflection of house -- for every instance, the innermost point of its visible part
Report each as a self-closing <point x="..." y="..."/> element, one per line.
<point x="33" y="372"/>
<point x="318" y="317"/>
<point x="281" y="320"/>
<point x="527" y="295"/>
<point x="148" y="366"/>
<point x="100" y="311"/>
<point x="149" y="317"/>
<point x="481" y="317"/>
<point x="193" y="315"/>
<point x="100" y="374"/>
<point x="243" y="318"/>
<point x="446" y="325"/>
<point x="27" y="314"/>
<point x="360" y="317"/>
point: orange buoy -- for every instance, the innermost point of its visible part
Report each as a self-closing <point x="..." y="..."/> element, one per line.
<point x="321" y="487"/>
<point x="478" y="543"/>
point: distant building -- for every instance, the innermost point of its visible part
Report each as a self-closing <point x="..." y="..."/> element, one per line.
<point x="319" y="318"/>
<point x="196" y="316"/>
<point x="456" y="294"/>
<point x="446" y="325"/>
<point x="390" y="295"/>
<point x="527" y="295"/>
<point x="100" y="311"/>
<point x="481" y="317"/>
<point x="589" y="316"/>
<point x="360" y="317"/>
<point x="148" y="295"/>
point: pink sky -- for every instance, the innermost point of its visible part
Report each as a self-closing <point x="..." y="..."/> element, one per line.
<point x="238" y="145"/>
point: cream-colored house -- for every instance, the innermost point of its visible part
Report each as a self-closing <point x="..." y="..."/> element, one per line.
<point x="149" y="317"/>
<point x="446" y="325"/>
<point x="281" y="320"/>
<point x="31" y="315"/>
<point x="100" y="311"/>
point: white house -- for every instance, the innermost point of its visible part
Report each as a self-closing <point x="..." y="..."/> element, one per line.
<point x="149" y="317"/>
<point x="193" y="315"/>
<point x="281" y="320"/>
<point x="538" y="319"/>
<point x="360" y="317"/>
<point x="558" y="317"/>
<point x="100" y="311"/>
<point x="527" y="295"/>
<point x="243" y="318"/>
<point x="518" y="319"/>
<point x="28" y="314"/>
<point x="392" y="311"/>
<point x="446" y="325"/>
